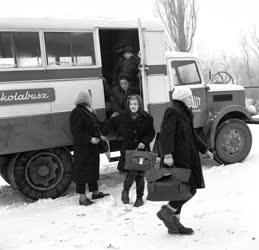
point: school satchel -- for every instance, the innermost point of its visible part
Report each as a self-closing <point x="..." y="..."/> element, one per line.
<point x="168" y="184"/>
<point x="139" y="160"/>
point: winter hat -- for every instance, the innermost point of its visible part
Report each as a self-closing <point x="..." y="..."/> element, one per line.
<point x="181" y="92"/>
<point x="123" y="76"/>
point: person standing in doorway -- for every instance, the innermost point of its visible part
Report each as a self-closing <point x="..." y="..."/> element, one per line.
<point x="127" y="64"/>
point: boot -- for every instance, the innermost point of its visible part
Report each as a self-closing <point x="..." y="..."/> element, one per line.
<point x="125" y="196"/>
<point x="139" y="202"/>
<point x="181" y="228"/>
<point x="99" y="195"/>
<point x="85" y="202"/>
<point x="168" y="217"/>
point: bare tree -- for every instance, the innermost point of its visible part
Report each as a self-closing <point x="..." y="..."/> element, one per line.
<point x="245" y="49"/>
<point x="179" y="18"/>
<point x="255" y="42"/>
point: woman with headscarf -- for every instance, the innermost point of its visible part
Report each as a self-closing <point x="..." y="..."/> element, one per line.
<point x="84" y="126"/>
<point x="136" y="128"/>
<point x="180" y="146"/>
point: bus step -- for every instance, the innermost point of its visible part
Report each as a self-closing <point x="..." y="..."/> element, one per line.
<point x="115" y="158"/>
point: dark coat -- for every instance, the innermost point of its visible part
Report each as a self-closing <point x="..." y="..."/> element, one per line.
<point x="86" y="156"/>
<point x="132" y="131"/>
<point x="178" y="137"/>
<point x="127" y="67"/>
<point x="119" y="98"/>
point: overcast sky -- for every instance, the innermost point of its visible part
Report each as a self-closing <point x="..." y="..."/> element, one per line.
<point x="220" y="23"/>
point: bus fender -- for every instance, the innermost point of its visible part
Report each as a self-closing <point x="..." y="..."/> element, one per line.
<point x="215" y="119"/>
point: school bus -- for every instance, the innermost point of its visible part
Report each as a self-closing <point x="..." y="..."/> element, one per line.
<point x="45" y="63"/>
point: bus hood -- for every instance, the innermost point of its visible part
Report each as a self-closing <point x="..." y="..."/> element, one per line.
<point x="224" y="87"/>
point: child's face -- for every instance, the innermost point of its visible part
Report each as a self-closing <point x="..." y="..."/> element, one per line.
<point x="124" y="84"/>
<point x="133" y="105"/>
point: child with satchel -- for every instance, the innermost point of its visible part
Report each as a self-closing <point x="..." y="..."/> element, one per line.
<point x="136" y="128"/>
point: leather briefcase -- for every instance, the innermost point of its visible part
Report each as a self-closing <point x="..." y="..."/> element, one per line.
<point x="139" y="160"/>
<point x="168" y="184"/>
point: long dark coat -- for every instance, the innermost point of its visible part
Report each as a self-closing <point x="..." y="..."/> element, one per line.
<point x="178" y="137"/>
<point x="86" y="156"/>
<point x="132" y="131"/>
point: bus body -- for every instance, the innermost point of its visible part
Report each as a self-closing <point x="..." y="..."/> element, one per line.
<point x="45" y="63"/>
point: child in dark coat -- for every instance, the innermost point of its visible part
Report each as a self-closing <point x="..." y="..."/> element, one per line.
<point x="136" y="128"/>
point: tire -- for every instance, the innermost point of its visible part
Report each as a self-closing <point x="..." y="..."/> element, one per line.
<point x="233" y="141"/>
<point x="41" y="174"/>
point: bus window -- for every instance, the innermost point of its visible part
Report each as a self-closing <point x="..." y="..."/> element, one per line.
<point x="83" y="48"/>
<point x="6" y="54"/>
<point x="186" y="72"/>
<point x="20" y="49"/>
<point x="69" y="49"/>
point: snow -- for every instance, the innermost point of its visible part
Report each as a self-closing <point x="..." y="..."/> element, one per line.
<point x="224" y="215"/>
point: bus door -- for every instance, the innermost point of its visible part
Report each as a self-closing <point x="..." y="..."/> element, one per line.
<point x="154" y="73"/>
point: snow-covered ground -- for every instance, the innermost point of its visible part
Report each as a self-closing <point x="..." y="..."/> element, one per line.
<point x="224" y="215"/>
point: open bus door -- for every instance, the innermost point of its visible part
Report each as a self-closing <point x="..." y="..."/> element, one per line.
<point x="143" y="77"/>
<point x="154" y="73"/>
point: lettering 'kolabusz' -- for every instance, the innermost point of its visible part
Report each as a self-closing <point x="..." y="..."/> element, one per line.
<point x="23" y="96"/>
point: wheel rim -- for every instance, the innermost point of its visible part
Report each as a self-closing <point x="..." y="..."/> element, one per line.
<point x="233" y="141"/>
<point x="44" y="171"/>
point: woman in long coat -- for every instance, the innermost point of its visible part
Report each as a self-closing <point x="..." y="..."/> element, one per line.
<point x="180" y="145"/>
<point x="136" y="128"/>
<point x="84" y="127"/>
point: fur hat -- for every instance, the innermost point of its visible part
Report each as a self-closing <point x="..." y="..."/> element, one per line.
<point x="181" y="92"/>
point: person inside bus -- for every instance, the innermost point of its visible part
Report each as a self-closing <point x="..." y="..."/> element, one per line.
<point x="136" y="128"/>
<point x="85" y="130"/>
<point x="120" y="93"/>
<point x="127" y="64"/>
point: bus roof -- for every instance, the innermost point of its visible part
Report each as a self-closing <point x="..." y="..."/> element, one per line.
<point x="83" y="23"/>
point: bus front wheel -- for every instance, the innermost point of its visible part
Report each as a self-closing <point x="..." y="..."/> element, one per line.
<point x="233" y="141"/>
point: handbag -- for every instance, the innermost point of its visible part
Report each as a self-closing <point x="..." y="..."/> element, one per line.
<point x="139" y="160"/>
<point x="103" y="147"/>
<point x="168" y="184"/>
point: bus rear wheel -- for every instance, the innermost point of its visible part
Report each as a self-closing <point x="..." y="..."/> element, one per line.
<point x="41" y="174"/>
<point x="233" y="141"/>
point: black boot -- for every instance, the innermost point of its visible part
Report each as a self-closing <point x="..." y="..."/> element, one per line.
<point x="168" y="217"/>
<point x="99" y="195"/>
<point x="181" y="228"/>
<point x="125" y="196"/>
<point x="139" y="202"/>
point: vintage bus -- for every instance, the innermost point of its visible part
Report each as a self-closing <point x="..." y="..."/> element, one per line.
<point x="44" y="63"/>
